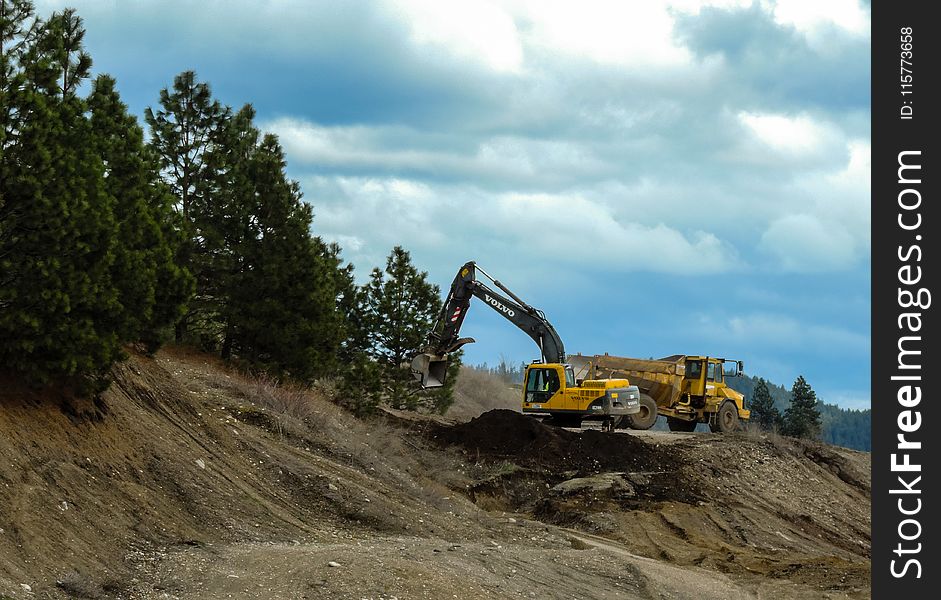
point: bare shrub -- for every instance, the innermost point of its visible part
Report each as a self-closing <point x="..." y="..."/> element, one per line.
<point x="754" y="431"/>
<point x="286" y="407"/>
<point x="283" y="399"/>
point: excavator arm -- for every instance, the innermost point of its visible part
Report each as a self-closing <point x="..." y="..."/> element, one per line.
<point x="430" y="366"/>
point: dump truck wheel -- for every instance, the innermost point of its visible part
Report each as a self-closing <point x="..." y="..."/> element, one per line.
<point x="681" y="424"/>
<point x="726" y="418"/>
<point x="647" y="415"/>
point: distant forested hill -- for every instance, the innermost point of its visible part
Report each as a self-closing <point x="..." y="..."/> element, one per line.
<point x="841" y="426"/>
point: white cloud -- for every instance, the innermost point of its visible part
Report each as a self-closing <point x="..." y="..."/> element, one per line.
<point x="476" y="31"/>
<point x="816" y="220"/>
<point x="825" y="223"/>
<point x="852" y="399"/>
<point x="695" y="6"/>
<point x="784" y="331"/>
<point x="532" y="157"/>
<point x="585" y="233"/>
<point x="445" y="224"/>
<point x="349" y="243"/>
<point x="858" y="171"/>
<point x="808" y="16"/>
<point x="381" y="147"/>
<point x="504" y="36"/>
<point x="804" y="243"/>
<point x="372" y="201"/>
<point x="618" y="33"/>
<point x="845" y="195"/>
<point x="789" y="135"/>
<point x="388" y="148"/>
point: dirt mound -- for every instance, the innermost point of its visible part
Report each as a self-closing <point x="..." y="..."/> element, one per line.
<point x="506" y="434"/>
<point x="531" y="463"/>
<point x="740" y="504"/>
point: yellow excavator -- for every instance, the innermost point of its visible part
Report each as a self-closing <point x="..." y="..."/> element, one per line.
<point x="549" y="387"/>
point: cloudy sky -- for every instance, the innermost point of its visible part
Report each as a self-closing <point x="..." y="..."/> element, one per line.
<point x="659" y="177"/>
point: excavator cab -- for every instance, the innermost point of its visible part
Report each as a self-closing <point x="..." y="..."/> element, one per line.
<point x="541" y="384"/>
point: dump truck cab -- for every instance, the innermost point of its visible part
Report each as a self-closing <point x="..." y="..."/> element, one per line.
<point x="551" y="389"/>
<point x="705" y="377"/>
<point x="705" y="395"/>
<point x="706" y="391"/>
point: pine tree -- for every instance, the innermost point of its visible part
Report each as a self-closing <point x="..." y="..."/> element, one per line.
<point x="400" y="304"/>
<point x="18" y="26"/>
<point x="58" y="306"/>
<point x="64" y="45"/>
<point x="183" y="132"/>
<point x="152" y="288"/>
<point x="267" y="289"/>
<point x="16" y="18"/>
<point x="347" y="302"/>
<point x="224" y="224"/>
<point x="397" y="309"/>
<point x="763" y="411"/>
<point x="802" y="417"/>
<point x="284" y="315"/>
<point x="361" y="384"/>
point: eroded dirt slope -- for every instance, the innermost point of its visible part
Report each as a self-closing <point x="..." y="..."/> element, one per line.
<point x="181" y="483"/>
<point x="741" y="504"/>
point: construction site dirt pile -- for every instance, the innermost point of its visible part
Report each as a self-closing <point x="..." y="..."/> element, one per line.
<point x="506" y="434"/>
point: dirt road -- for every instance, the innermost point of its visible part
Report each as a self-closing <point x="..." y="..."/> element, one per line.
<point x="545" y="566"/>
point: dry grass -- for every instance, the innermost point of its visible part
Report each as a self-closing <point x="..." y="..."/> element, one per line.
<point x="314" y="417"/>
<point x="284" y="399"/>
<point x="755" y="432"/>
<point x="476" y="392"/>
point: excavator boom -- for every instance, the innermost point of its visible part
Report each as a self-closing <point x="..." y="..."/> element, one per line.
<point x="430" y="366"/>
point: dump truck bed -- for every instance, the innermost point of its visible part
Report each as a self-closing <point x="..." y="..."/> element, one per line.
<point x="660" y="379"/>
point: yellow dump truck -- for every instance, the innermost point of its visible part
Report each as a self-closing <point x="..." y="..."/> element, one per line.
<point x="686" y="389"/>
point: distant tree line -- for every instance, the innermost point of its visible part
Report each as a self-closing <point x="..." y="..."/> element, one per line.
<point x="196" y="235"/>
<point x="509" y="373"/>
<point x="798" y="412"/>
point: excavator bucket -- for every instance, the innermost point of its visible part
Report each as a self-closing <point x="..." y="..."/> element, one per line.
<point x="430" y="369"/>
